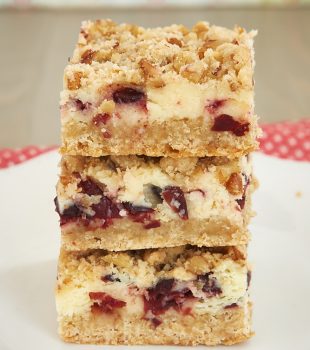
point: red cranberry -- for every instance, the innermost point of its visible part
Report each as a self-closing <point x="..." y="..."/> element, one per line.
<point x="210" y="286"/>
<point x="104" y="303"/>
<point x="101" y="118"/>
<point x="80" y="106"/>
<point x="106" y="209"/>
<point x="214" y="105"/>
<point x="231" y="306"/>
<point x="162" y="297"/>
<point x="106" y="134"/>
<point x="152" y="224"/>
<point x="225" y="122"/>
<point x="141" y="214"/>
<point x="110" y="278"/>
<point x="137" y="209"/>
<point x="69" y="214"/>
<point x="156" y="322"/>
<point x="90" y="187"/>
<point x="127" y="95"/>
<point x="174" y="196"/>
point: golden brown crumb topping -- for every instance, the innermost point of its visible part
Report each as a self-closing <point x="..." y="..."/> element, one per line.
<point x="199" y="54"/>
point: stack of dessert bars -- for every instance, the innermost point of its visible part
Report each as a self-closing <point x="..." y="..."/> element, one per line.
<point x="154" y="193"/>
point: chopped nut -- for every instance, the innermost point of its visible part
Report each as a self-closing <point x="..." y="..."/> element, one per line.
<point x="234" y="184"/>
<point x="155" y="257"/>
<point x="119" y="259"/>
<point x="180" y="165"/>
<point x="124" y="162"/>
<point x="236" y="253"/>
<point x="75" y="83"/>
<point x="151" y="74"/>
<point x="201" y="28"/>
<point x="87" y="56"/>
<point x="175" y="41"/>
<point x="197" y="265"/>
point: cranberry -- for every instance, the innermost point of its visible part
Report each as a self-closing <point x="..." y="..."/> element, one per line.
<point x="162" y="297"/>
<point x="210" y="286"/>
<point x="127" y="95"/>
<point x="106" y="209"/>
<point x="174" y="196"/>
<point x="110" y="278"/>
<point x="141" y="214"/>
<point x="156" y="322"/>
<point x="106" y="134"/>
<point x="214" y="105"/>
<point x="69" y="214"/>
<point x="152" y="224"/>
<point x="137" y="209"/>
<point x="101" y="118"/>
<point x="104" y="303"/>
<point x="225" y="122"/>
<point x="231" y="306"/>
<point x="80" y="106"/>
<point x="90" y="187"/>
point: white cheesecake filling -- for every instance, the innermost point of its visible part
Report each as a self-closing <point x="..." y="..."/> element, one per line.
<point x="73" y="298"/>
<point x="178" y="99"/>
<point x="205" y="196"/>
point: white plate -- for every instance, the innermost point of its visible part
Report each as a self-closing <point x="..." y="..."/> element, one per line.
<point x="279" y="252"/>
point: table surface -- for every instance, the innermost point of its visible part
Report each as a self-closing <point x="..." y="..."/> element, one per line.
<point x="35" y="46"/>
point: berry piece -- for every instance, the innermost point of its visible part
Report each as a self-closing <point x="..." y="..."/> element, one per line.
<point x="106" y="209"/>
<point x="80" y="106"/>
<point x="104" y="303"/>
<point x="141" y="214"/>
<point x="210" y="286"/>
<point x="69" y="214"/>
<point x="101" y="118"/>
<point x="174" y="196"/>
<point x="213" y="106"/>
<point x="162" y="297"/>
<point x="231" y="306"/>
<point x="152" y="224"/>
<point x="90" y="187"/>
<point x="110" y="278"/>
<point x="225" y="122"/>
<point x="127" y="95"/>
<point x="137" y="209"/>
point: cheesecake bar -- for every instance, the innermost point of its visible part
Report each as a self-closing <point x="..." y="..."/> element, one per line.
<point x="169" y="91"/>
<point x="183" y="295"/>
<point x="134" y="202"/>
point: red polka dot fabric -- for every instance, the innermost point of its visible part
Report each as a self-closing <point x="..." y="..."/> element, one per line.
<point x="287" y="140"/>
<point x="9" y="156"/>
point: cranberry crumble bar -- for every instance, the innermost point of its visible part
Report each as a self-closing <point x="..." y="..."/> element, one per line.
<point x="168" y="91"/>
<point x="130" y="202"/>
<point x="182" y="295"/>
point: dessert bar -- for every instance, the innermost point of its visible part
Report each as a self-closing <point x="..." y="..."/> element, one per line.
<point x="182" y="295"/>
<point x="131" y="202"/>
<point x="169" y="91"/>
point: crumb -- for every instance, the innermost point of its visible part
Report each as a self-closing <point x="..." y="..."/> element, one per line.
<point x="298" y="194"/>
